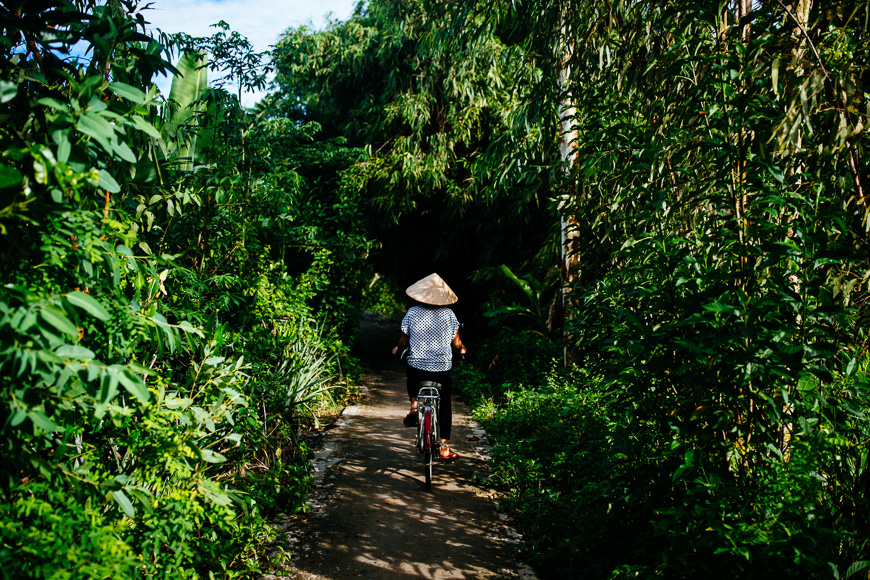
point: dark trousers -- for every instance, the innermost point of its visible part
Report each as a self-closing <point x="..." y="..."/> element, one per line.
<point x="445" y="378"/>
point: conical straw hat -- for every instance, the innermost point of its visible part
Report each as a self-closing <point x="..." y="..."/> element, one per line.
<point x="432" y="290"/>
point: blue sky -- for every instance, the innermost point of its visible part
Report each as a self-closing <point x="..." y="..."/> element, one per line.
<point x="261" y="21"/>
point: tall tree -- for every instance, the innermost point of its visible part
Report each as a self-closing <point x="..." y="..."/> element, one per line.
<point x="435" y="114"/>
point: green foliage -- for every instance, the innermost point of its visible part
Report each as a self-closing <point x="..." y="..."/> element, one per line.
<point x="430" y="116"/>
<point x="189" y="85"/>
<point x="534" y="311"/>
<point x="719" y="194"/>
<point x="60" y="535"/>
<point x="558" y="460"/>
<point x="180" y="279"/>
<point x="472" y="383"/>
<point x="507" y="360"/>
<point x="146" y="303"/>
<point x="595" y="488"/>
<point x="382" y="296"/>
<point x="232" y="57"/>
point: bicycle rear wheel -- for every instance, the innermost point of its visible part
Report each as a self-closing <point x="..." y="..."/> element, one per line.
<point x="428" y="447"/>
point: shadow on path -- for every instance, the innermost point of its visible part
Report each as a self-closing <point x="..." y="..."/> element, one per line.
<point x="370" y="516"/>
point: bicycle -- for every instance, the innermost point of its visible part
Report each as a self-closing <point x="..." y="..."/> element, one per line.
<point x="428" y="442"/>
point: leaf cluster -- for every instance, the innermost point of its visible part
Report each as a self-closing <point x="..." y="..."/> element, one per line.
<point x="163" y="261"/>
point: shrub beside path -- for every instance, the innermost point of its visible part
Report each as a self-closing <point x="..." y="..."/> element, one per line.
<point x="370" y="517"/>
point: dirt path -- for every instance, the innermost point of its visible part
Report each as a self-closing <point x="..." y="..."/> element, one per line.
<point x="370" y="516"/>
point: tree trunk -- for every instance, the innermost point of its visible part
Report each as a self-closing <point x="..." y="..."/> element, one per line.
<point x="568" y="155"/>
<point x="744" y="7"/>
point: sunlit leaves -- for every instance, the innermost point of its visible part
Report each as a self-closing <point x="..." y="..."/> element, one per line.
<point x="88" y="304"/>
<point x="145" y="127"/>
<point x="8" y="91"/>
<point x="90" y="336"/>
<point x="57" y="320"/>
<point x="129" y="92"/>
<point x="436" y="119"/>
<point x="720" y="194"/>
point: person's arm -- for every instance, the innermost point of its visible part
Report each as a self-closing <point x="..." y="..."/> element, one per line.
<point x="457" y="344"/>
<point x="403" y="344"/>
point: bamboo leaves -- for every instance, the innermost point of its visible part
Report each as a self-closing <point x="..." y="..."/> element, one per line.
<point x="718" y="175"/>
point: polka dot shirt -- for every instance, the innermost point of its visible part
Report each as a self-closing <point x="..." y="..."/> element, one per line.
<point x="431" y="331"/>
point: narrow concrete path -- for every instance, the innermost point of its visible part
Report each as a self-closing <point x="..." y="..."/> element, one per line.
<point x="370" y="516"/>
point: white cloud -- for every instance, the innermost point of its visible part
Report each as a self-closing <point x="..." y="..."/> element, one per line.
<point x="261" y="21"/>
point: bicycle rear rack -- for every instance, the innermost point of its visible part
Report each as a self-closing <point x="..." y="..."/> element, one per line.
<point x="429" y="393"/>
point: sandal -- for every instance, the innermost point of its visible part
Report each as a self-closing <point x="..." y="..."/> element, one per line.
<point x="410" y="419"/>
<point x="449" y="458"/>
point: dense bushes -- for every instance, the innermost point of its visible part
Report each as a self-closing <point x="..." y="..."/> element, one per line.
<point x="603" y="489"/>
<point x="513" y="357"/>
<point x="565" y="456"/>
<point x="167" y="310"/>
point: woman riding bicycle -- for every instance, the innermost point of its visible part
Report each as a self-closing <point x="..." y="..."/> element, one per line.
<point x="430" y="330"/>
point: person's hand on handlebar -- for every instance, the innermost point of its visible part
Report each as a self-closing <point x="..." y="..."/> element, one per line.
<point x="404" y="340"/>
